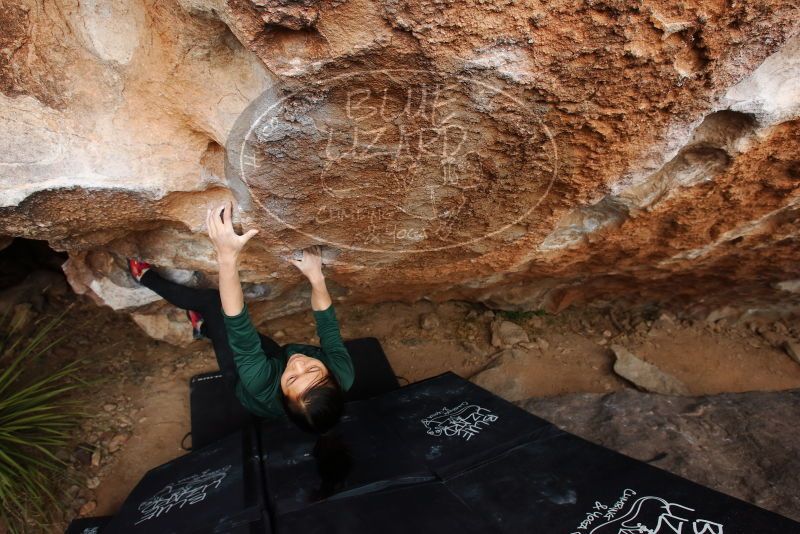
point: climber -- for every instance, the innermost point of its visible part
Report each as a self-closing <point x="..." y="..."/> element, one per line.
<point x="304" y="382"/>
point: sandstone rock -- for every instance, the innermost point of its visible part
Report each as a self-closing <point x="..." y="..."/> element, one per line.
<point x="721" y="313"/>
<point x="115" y="123"/>
<point x="666" y="322"/>
<point x="429" y="321"/>
<point x="710" y="440"/>
<point x="793" y="350"/>
<point x="471" y="347"/>
<point x="87" y="508"/>
<point x="791" y="286"/>
<point x="117" y="442"/>
<point x="776" y="340"/>
<point x="172" y="326"/>
<point x="93" y="482"/>
<point x="96" y="458"/>
<point x="506" y="334"/>
<point x="498" y="380"/>
<point x="646" y="375"/>
<point x="106" y="291"/>
<point x="293" y="17"/>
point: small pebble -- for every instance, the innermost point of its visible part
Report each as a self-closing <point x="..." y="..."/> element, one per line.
<point x="87" y="508"/>
<point x="117" y="442"/>
<point x="429" y="321"/>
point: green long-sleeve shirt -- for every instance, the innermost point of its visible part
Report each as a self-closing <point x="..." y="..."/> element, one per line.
<point x="259" y="386"/>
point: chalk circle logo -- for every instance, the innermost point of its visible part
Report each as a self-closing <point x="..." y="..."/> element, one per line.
<point x="398" y="161"/>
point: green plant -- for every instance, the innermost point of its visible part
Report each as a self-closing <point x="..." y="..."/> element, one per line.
<point x="35" y="419"/>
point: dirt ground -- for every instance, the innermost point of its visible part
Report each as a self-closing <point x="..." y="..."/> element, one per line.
<point x="139" y="412"/>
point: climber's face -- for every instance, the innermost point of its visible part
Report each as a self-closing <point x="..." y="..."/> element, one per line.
<point x="301" y="373"/>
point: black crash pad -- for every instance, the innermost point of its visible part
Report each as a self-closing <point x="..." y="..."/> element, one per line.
<point x="363" y="447"/>
<point x="507" y="470"/>
<point x="441" y="455"/>
<point x="214" y="489"/>
<point x="214" y="409"/>
<point x="88" y="525"/>
<point x="373" y="374"/>
<point x="566" y="484"/>
<point x="425" y="431"/>
<point x="454" y="424"/>
<point x="420" y="509"/>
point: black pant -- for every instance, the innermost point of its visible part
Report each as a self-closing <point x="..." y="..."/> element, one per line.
<point x="208" y="304"/>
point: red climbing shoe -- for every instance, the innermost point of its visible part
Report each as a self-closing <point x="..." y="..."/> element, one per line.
<point x="197" y="322"/>
<point x="137" y="268"/>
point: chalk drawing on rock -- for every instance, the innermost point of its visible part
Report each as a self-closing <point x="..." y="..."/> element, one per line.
<point x="464" y="421"/>
<point x="407" y="156"/>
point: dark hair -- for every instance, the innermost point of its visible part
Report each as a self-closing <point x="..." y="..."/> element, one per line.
<point x="318" y="408"/>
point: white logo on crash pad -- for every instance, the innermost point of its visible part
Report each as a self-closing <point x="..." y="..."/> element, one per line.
<point x="185" y="492"/>
<point x="464" y="421"/>
<point x="645" y="514"/>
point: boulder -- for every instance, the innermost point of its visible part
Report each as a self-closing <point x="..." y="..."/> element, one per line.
<point x="497" y="378"/>
<point x="429" y="321"/>
<point x="506" y="334"/>
<point x="438" y="150"/>
<point x="792" y="348"/>
<point x="171" y="326"/>
<point x="741" y="444"/>
<point x="645" y="375"/>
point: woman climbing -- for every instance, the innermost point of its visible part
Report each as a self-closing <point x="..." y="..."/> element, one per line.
<point x="304" y="382"/>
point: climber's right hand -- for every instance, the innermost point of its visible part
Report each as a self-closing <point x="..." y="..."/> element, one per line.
<point x="227" y="242"/>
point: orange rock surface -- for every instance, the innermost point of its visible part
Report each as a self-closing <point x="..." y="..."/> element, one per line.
<point x="523" y="154"/>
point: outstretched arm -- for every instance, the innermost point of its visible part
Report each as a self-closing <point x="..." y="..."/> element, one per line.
<point x="228" y="244"/>
<point x="311" y="267"/>
<point x="330" y="337"/>
<point x="256" y="372"/>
